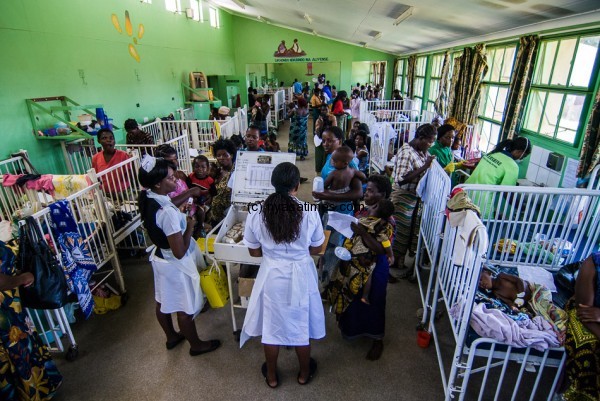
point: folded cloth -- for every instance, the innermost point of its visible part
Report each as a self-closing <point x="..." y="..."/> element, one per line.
<point x="467" y="223"/>
<point x="44" y="183"/>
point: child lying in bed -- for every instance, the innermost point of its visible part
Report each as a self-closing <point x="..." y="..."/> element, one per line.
<point x="523" y="296"/>
<point x="510" y="289"/>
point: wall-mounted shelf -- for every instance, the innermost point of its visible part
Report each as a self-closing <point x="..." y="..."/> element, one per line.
<point x="50" y="110"/>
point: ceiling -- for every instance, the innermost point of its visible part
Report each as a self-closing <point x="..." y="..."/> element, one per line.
<point x="432" y="23"/>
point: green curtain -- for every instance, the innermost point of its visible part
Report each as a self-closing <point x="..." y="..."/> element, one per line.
<point x="410" y="76"/>
<point x="441" y="103"/>
<point x="520" y="83"/>
<point x="465" y="87"/>
<point x="590" y="151"/>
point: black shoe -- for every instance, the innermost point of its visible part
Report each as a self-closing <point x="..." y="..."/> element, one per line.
<point x="303" y="180"/>
<point x="214" y="344"/>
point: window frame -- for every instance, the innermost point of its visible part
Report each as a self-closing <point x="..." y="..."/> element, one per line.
<point x="176" y="3"/>
<point x="434" y="80"/>
<point x="565" y="90"/>
<point x="486" y="84"/>
<point x="217" y="19"/>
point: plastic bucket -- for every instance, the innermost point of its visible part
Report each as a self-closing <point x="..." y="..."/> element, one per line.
<point x="423" y="338"/>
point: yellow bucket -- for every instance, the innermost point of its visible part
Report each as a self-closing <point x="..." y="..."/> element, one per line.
<point x="211" y="243"/>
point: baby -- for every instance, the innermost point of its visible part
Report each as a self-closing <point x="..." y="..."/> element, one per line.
<point x="511" y="290"/>
<point x="200" y="177"/>
<point x="377" y="224"/>
<point x="338" y="180"/>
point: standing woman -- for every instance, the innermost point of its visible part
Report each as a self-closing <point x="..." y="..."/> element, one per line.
<point x="412" y="160"/>
<point x="225" y="151"/>
<point x="299" y="129"/>
<point x="285" y="307"/>
<point x="324" y="122"/>
<point x="442" y="149"/>
<point x="176" y="258"/>
<point x="107" y="158"/>
<point x="338" y="110"/>
<point x="315" y="104"/>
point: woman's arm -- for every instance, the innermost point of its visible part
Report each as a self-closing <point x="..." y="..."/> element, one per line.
<point x="179" y="243"/>
<point x="368" y="239"/>
<point x="412" y="175"/>
<point x="316" y="250"/>
<point x="355" y="193"/>
<point x="257" y="253"/>
<point x="10" y="282"/>
<point x="584" y="296"/>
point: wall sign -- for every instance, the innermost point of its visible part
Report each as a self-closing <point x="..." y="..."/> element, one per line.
<point x="301" y="59"/>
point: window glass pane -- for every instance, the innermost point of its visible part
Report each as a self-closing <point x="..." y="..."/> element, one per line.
<point x="417" y="104"/>
<point x="500" y="102"/>
<point x="194" y="6"/>
<point x="544" y="64"/>
<point x="584" y="61"/>
<point x="419" y="85"/>
<point x="434" y="86"/>
<point x="563" y="62"/>
<point x="436" y="66"/>
<point x="534" y="111"/>
<point x="421" y="65"/>
<point x="570" y="117"/>
<point x="550" y="115"/>
<point x="212" y="15"/>
<point x="509" y="59"/>
<point x="490" y="101"/>
<point x="431" y="107"/>
<point x="490" y="59"/>
<point x="496" y="65"/>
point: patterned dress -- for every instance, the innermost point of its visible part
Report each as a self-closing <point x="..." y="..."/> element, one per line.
<point x="221" y="201"/>
<point x="582" y="369"/>
<point x="298" y="132"/>
<point x="27" y="371"/>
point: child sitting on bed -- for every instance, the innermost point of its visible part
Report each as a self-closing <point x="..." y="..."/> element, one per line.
<point x="338" y="180"/>
<point x="377" y="224"/>
<point x="511" y="290"/>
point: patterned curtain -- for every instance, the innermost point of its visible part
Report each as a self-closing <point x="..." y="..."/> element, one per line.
<point x="520" y="83"/>
<point x="590" y="151"/>
<point x="441" y="103"/>
<point x="395" y="77"/>
<point x="410" y="76"/>
<point x="465" y="89"/>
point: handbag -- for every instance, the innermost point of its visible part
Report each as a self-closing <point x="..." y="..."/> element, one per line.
<point x="49" y="290"/>
<point x="214" y="284"/>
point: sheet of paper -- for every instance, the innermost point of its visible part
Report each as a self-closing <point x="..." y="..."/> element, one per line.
<point x="537" y="275"/>
<point x="341" y="223"/>
<point x="570" y="177"/>
<point x="258" y="176"/>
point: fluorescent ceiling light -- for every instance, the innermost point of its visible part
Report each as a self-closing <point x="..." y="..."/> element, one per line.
<point x="377" y="36"/>
<point x="240" y="4"/>
<point x="307" y="18"/>
<point x="404" y="15"/>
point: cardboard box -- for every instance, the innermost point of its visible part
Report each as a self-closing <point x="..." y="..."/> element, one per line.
<point x="245" y="286"/>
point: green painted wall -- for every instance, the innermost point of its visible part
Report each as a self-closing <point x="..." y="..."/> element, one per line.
<point x="286" y="72"/>
<point x="361" y="73"/>
<point x="45" y="44"/>
<point x="256" y="42"/>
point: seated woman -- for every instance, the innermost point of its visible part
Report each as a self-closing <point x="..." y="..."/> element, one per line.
<point x="582" y="369"/>
<point x="107" y="158"/>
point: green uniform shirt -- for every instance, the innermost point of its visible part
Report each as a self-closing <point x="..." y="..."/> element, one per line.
<point x="442" y="153"/>
<point x="495" y="169"/>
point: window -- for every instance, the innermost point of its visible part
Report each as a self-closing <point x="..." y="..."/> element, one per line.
<point x="196" y="6"/>
<point x="173" y="5"/>
<point x="437" y="62"/>
<point x="420" y="71"/>
<point x="213" y="15"/>
<point x="401" y="77"/>
<point x="561" y="87"/>
<point x="494" y="92"/>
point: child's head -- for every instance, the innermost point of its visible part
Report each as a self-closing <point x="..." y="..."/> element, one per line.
<point x="237" y="140"/>
<point x="200" y="166"/>
<point x="355" y="125"/>
<point x="341" y="157"/>
<point x="384" y="209"/>
<point x="360" y="139"/>
<point x="457" y="142"/>
<point x="485" y="280"/>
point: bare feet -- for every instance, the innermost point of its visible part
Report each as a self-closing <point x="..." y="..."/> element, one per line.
<point x="375" y="351"/>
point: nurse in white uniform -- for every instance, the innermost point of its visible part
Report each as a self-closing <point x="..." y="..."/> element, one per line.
<point x="285" y="307"/>
<point x="176" y="258"/>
